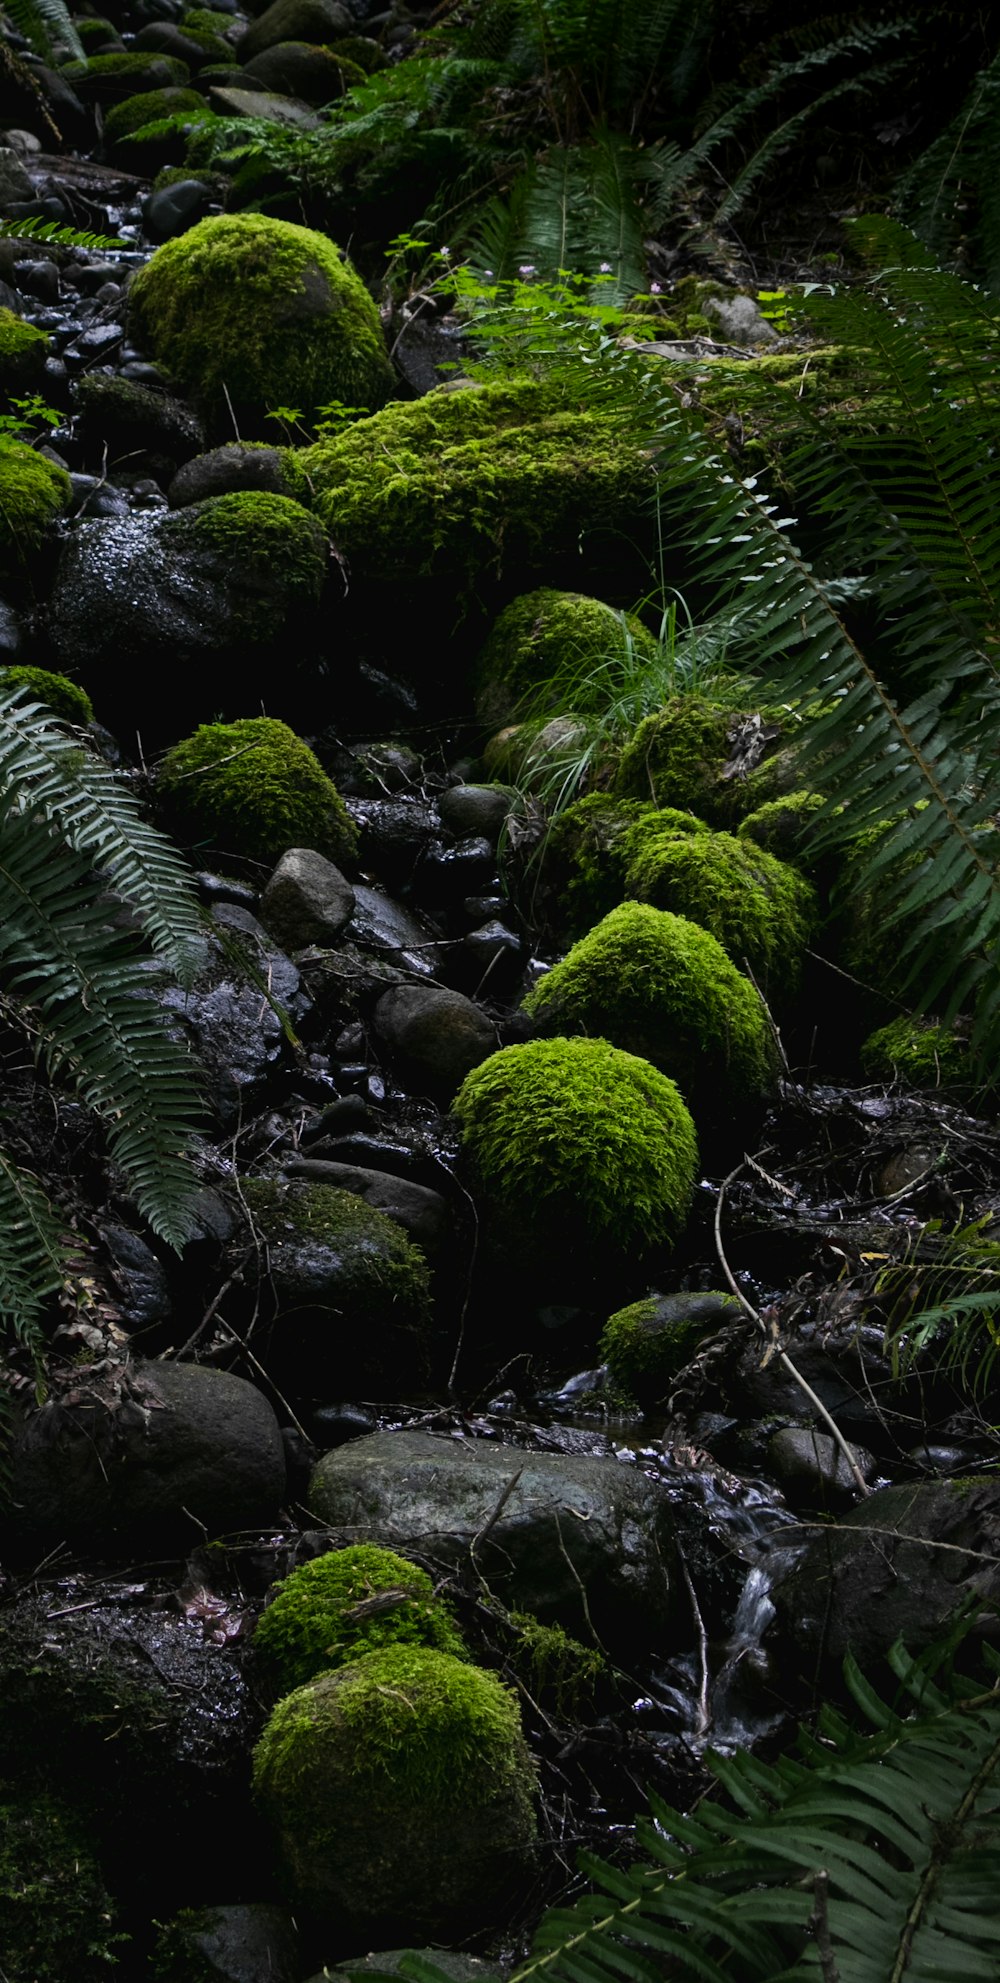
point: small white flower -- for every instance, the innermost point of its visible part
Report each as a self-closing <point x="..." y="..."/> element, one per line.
<point x="654" y="288"/>
<point x="488" y="275"/>
<point x="526" y="269"/>
<point x="445" y="254"/>
<point x="605" y="268"/>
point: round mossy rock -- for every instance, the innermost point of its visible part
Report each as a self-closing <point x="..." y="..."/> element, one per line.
<point x="23" y="351"/>
<point x="261" y="313"/>
<point x="399" y="1790"/>
<point x="552" y="651"/>
<point x="694" y="753"/>
<point x="579" y="873"/>
<point x="64" y="698"/>
<point x="647" y="1344"/>
<point x="923" y="1053"/>
<point x="583" y="1156"/>
<point x="253" y="789"/>
<point x="345" y="1604"/>
<point x="33" y="491"/>
<point x="761" y="910"/>
<point x="661" y="987"/>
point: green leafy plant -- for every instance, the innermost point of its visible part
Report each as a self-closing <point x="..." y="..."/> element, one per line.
<point x="75" y="850"/>
<point x="941" y="1303"/>
<point x="882" y="637"/>
<point x="29" y="413"/>
<point x="47" y="27"/>
<point x="866" y="1855"/>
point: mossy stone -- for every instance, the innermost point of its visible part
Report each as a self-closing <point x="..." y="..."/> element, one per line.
<point x="683" y="755"/>
<point x="551" y="651"/>
<point x="351" y="1292"/>
<point x="400" y="1793"/>
<point x="648" y="1344"/>
<point x="56" y="1918"/>
<point x="472" y="481"/>
<point x="781" y="826"/>
<point x="23" y="351"/>
<point x="254" y="789"/>
<point x="148" y="107"/>
<point x="33" y="491"/>
<point x="584" y="1156"/>
<point x="107" y="79"/>
<point x="761" y="910"/>
<point x="345" y="1604"/>
<point x="661" y="987"/>
<point x="264" y="312"/>
<point x="64" y="698"/>
<point x="922" y="1053"/>
<point x="579" y="872"/>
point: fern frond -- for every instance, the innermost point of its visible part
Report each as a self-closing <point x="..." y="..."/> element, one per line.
<point x="959" y="170"/>
<point x="47" y="27"/>
<point x="61" y="237"/>
<point x="48" y="772"/>
<point x="33" y="1260"/>
<point x="94" y="1023"/>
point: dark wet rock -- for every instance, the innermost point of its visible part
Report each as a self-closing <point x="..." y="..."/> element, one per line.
<point x="492" y="957"/>
<point x="447" y="871"/>
<point x="307" y="900"/>
<point x="812" y="1468"/>
<point x="299" y="69"/>
<point x="434" y="1036"/>
<point x="567" y="1522"/>
<point x="424" y="1214"/>
<point x="233" y="1016"/>
<point x="141" y="1281"/>
<point x="223" y="470"/>
<point x="244" y="1942"/>
<point x="170" y="210"/>
<point x="334" y="1425"/>
<point x="39" y="279"/>
<point x="15" y="184"/>
<point x="256" y="102"/>
<point x="295" y="20"/>
<point x="898" y="1565"/>
<point x="394" y="834"/>
<point x="476" y="810"/>
<point x="165" y="589"/>
<point x="184" y="1451"/>
<point x="133" y="419"/>
<point x="394" y="932"/>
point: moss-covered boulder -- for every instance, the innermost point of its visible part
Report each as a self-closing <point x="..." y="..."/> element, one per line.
<point x="714" y="758"/>
<point x="56" y="692"/>
<point x="551" y="651"/>
<point x="56" y="1917"/>
<point x="344" y="1604"/>
<point x="257" y="313"/>
<point x="399" y="1791"/>
<point x="922" y="1053"/>
<point x="348" y="1295"/>
<point x="648" y="1344"/>
<point x="23" y="351"/>
<point x="761" y="910"/>
<point x="184" y="613"/>
<point x="781" y="826"/>
<point x="578" y="873"/>
<point x="108" y="79"/>
<point x="33" y="491"/>
<point x="134" y="113"/>
<point x="583" y="1156"/>
<point x="253" y="789"/>
<point x="661" y="987"/>
<point x="465" y="483"/>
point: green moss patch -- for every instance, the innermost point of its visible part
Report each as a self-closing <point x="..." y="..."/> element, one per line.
<point x="254" y="789"/>
<point x="687" y="755"/>
<point x="661" y="987"/>
<point x="551" y="651"/>
<point x="56" y="1919"/>
<point x="464" y="481"/>
<point x="347" y="1603"/>
<point x="265" y="312"/>
<point x="63" y="697"/>
<point x="580" y="1149"/>
<point x="33" y="491"/>
<point x="760" y="909"/>
<point x="23" y="351"/>
<point x="922" y="1053"/>
<point x="648" y="1344"/>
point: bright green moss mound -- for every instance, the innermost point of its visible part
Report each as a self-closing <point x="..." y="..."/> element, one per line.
<point x="323" y="1615"/>
<point x="56" y="1918"/>
<point x="57" y="692"/>
<point x="251" y="527"/>
<point x="659" y="986"/>
<point x="459" y="481"/>
<point x="579" y="1146"/>
<point x="552" y="651"/>
<point x="781" y="826"/>
<point x="268" y="312"/>
<point x="580" y="871"/>
<point x="760" y="909"/>
<point x="681" y="756"/>
<point x="254" y="789"/>
<point x="648" y="1344"/>
<point x="32" y="493"/>
<point x="400" y="1790"/>
<point x="23" y="350"/>
<point x="922" y="1053"/>
<point x="134" y="112"/>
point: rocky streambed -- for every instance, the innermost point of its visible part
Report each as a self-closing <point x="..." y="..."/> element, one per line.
<point x="493" y="1273"/>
